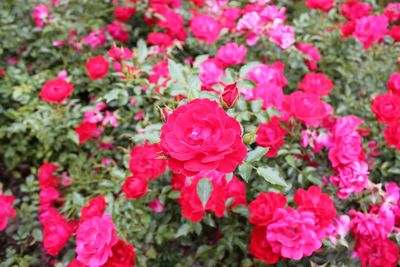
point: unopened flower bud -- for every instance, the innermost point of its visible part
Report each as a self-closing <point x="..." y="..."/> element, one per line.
<point x="229" y="96"/>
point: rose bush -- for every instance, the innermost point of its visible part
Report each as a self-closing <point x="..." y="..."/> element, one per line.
<point x="199" y="133"/>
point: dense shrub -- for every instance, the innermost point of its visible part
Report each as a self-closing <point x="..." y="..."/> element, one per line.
<point x="199" y="133"/>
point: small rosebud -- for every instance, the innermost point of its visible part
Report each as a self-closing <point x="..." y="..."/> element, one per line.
<point x="229" y="96"/>
<point x="249" y="138"/>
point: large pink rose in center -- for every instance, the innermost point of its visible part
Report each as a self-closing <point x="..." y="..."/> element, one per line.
<point x="201" y="136"/>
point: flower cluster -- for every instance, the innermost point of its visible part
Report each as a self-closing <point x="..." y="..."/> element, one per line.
<point x="283" y="232"/>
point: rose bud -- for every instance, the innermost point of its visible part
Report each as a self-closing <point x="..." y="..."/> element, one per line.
<point x="165" y="112"/>
<point x="229" y="96"/>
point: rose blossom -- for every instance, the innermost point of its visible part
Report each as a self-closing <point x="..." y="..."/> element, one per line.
<point x="6" y="210"/>
<point x="324" y="5"/>
<point x="231" y="54"/>
<point x="45" y="174"/>
<point x="318" y="203"/>
<point x="87" y="130"/>
<point x="377" y="252"/>
<point x="386" y="108"/>
<point x="95" y="208"/>
<point x="205" y="28"/>
<point x="135" y="187"/>
<point x="97" y="67"/>
<point x="370" y="29"/>
<point x="317" y="83"/>
<point x="56" y="232"/>
<point x="210" y="73"/>
<point x="95" y="238"/>
<point x="305" y="106"/>
<point x="271" y="135"/>
<point x="293" y="234"/>
<point x="262" y="209"/>
<point x="392" y="134"/>
<point x="123" y="255"/>
<point x="260" y="247"/>
<point x="146" y="161"/>
<point x="229" y="95"/>
<point x="351" y="178"/>
<point x="313" y="55"/>
<point x="199" y="136"/>
<point x="117" y="32"/>
<point x="56" y="91"/>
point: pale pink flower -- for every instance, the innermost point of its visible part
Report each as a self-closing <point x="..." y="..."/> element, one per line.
<point x="63" y="74"/>
<point x="282" y="35"/>
<point x="94" y="240"/>
<point x="132" y="101"/>
<point x="58" y="43"/>
<point x="273" y="14"/>
<point x="106" y="161"/>
<point x="294" y="234"/>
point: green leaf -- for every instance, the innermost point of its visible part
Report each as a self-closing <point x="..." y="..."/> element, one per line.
<point x="176" y="71"/>
<point x="142" y="50"/>
<point x="271" y="175"/>
<point x="291" y="160"/>
<point x="204" y="189"/>
<point x="245" y="171"/>
<point x="183" y="230"/>
<point x="256" y="154"/>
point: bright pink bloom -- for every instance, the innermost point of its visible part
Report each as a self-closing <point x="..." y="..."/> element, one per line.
<point x="369" y="226"/>
<point x="6" y="210"/>
<point x="231" y="54"/>
<point x="56" y="232"/>
<point x="281" y="35"/>
<point x="370" y="29"/>
<point x="117" y="32"/>
<point x="392" y="12"/>
<point x="45" y="174"/>
<point x="324" y="5"/>
<point x="351" y="178"/>
<point x="210" y="73"/>
<point x="294" y="234"/>
<point x="353" y="10"/>
<point x="95" y="238"/>
<point x="40" y="15"/>
<point x="393" y="83"/>
<point x="205" y="28"/>
<point x="95" y="39"/>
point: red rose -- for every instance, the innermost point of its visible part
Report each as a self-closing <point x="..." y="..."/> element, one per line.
<point x="230" y="95"/>
<point x="56" y="232"/>
<point x="319" y="203"/>
<point x="117" y="32"/>
<point x="123" y="255"/>
<point x="316" y="83"/>
<point x="271" y="135"/>
<point x="56" y="91"/>
<point x="95" y="207"/>
<point x="377" y="252"/>
<point x="352" y="9"/>
<point x="46" y="177"/>
<point x="393" y="83"/>
<point x="178" y="181"/>
<point x="86" y="130"/>
<point x="97" y="67"/>
<point x="324" y="5"/>
<point x="47" y="196"/>
<point x="76" y="263"/>
<point x="263" y="207"/>
<point x="201" y="136"/>
<point x="146" y="162"/>
<point x="124" y="13"/>
<point x="386" y="108"/>
<point x="392" y="134"/>
<point x="161" y="39"/>
<point x="260" y="248"/>
<point x="394" y="32"/>
<point x="205" y="28"/>
<point x="305" y="106"/>
<point x="135" y="187"/>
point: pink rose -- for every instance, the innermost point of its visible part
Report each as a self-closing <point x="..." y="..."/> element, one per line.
<point x="370" y="29"/>
<point x="210" y="73"/>
<point x="95" y="238"/>
<point x="205" y="28"/>
<point x="317" y="83"/>
<point x="6" y="210"/>
<point x="231" y="54"/>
